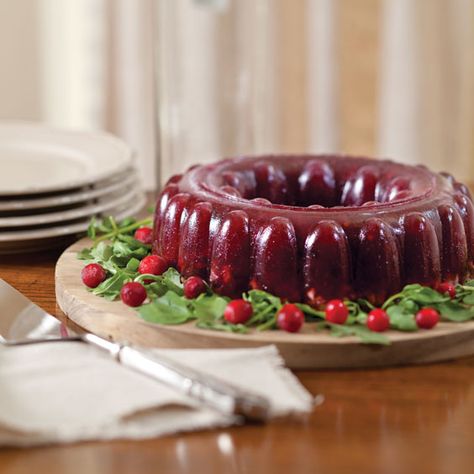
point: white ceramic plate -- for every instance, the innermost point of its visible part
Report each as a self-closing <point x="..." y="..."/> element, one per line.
<point x="36" y="158"/>
<point x="26" y="241"/>
<point x="122" y="198"/>
<point x="98" y="190"/>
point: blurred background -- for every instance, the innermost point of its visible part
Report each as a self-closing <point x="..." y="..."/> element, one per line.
<point x="195" y="80"/>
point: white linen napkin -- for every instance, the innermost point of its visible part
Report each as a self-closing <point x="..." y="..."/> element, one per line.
<point x="63" y="392"/>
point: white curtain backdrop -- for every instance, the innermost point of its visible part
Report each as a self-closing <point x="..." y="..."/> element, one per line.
<point x="97" y="58"/>
<point x="98" y="73"/>
<point x="427" y="84"/>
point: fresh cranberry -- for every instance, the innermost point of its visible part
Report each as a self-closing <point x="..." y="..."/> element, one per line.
<point x="194" y="286"/>
<point x="133" y="293"/>
<point x="144" y="235"/>
<point x="378" y="320"/>
<point x="337" y="312"/>
<point x="93" y="275"/>
<point x="446" y="288"/>
<point x="153" y="265"/>
<point x="238" y="312"/>
<point x="290" y="318"/>
<point x="427" y="318"/>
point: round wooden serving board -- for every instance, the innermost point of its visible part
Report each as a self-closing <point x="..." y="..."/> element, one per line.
<point x="304" y="350"/>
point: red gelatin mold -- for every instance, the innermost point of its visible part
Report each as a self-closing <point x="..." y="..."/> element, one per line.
<point x="314" y="228"/>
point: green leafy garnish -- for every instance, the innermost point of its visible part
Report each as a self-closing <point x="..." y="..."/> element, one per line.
<point x="109" y="229"/>
<point x="401" y="319"/>
<point x="209" y="307"/>
<point x="265" y="306"/>
<point x="110" y="288"/>
<point x="469" y="299"/>
<point x="310" y="312"/>
<point x="452" y="311"/>
<point x="167" y="309"/>
<point x="119" y="253"/>
<point x="237" y="328"/>
<point x="363" y="333"/>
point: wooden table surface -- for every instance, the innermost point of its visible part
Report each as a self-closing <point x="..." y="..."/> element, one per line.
<point x="406" y="419"/>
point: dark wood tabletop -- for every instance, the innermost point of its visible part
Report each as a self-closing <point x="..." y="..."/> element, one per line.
<point x="417" y="419"/>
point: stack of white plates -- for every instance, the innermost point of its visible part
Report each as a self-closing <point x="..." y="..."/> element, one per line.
<point x="52" y="182"/>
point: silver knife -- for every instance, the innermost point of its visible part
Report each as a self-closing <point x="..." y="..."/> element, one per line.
<point x="23" y="322"/>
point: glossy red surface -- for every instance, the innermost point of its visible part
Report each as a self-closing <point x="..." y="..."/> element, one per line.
<point x="314" y="228"/>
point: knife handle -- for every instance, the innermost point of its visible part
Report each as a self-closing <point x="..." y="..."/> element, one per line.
<point x="209" y="390"/>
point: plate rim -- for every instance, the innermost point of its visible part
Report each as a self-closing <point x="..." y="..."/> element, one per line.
<point x="124" y="155"/>
<point x="70" y="229"/>
<point x="84" y="194"/>
<point x="108" y="202"/>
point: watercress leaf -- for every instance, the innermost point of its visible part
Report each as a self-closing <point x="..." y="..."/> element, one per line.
<point x="469" y="299"/>
<point x="126" y="222"/>
<point x="167" y="309"/>
<point x="209" y="307"/>
<point x="139" y="253"/>
<point x="216" y="326"/>
<point x="310" y="311"/>
<point x="270" y="323"/>
<point x="256" y="297"/>
<point x="102" y="252"/>
<point x="261" y="313"/>
<point x="91" y="228"/>
<point x="369" y="337"/>
<point x="133" y="243"/>
<point x="119" y="261"/>
<point x="121" y="249"/>
<point x="173" y="275"/>
<point x="264" y="306"/>
<point x="365" y="304"/>
<point x="361" y="317"/>
<point x="156" y="289"/>
<point x="401" y="319"/>
<point x="353" y="307"/>
<point x="365" y="335"/>
<point x="412" y="287"/>
<point x="469" y="283"/>
<point x="110" y="266"/>
<point x="85" y="254"/>
<point x="129" y="240"/>
<point x="105" y="225"/>
<point x="133" y="264"/>
<point x="171" y="279"/>
<point x="122" y="253"/>
<point x="89" y="255"/>
<point x="110" y="288"/>
<point x="425" y="296"/>
<point x="393" y="300"/>
<point x="409" y="306"/>
<point x="455" y="312"/>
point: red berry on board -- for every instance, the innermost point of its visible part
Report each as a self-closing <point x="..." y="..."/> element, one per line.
<point x="194" y="286"/>
<point x="133" y="293"/>
<point x="153" y="265"/>
<point x="238" y="311"/>
<point x="337" y="312"/>
<point x="446" y="288"/>
<point x="93" y="275"/>
<point x="290" y="318"/>
<point x="378" y="320"/>
<point x="427" y="318"/>
<point x="144" y="235"/>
